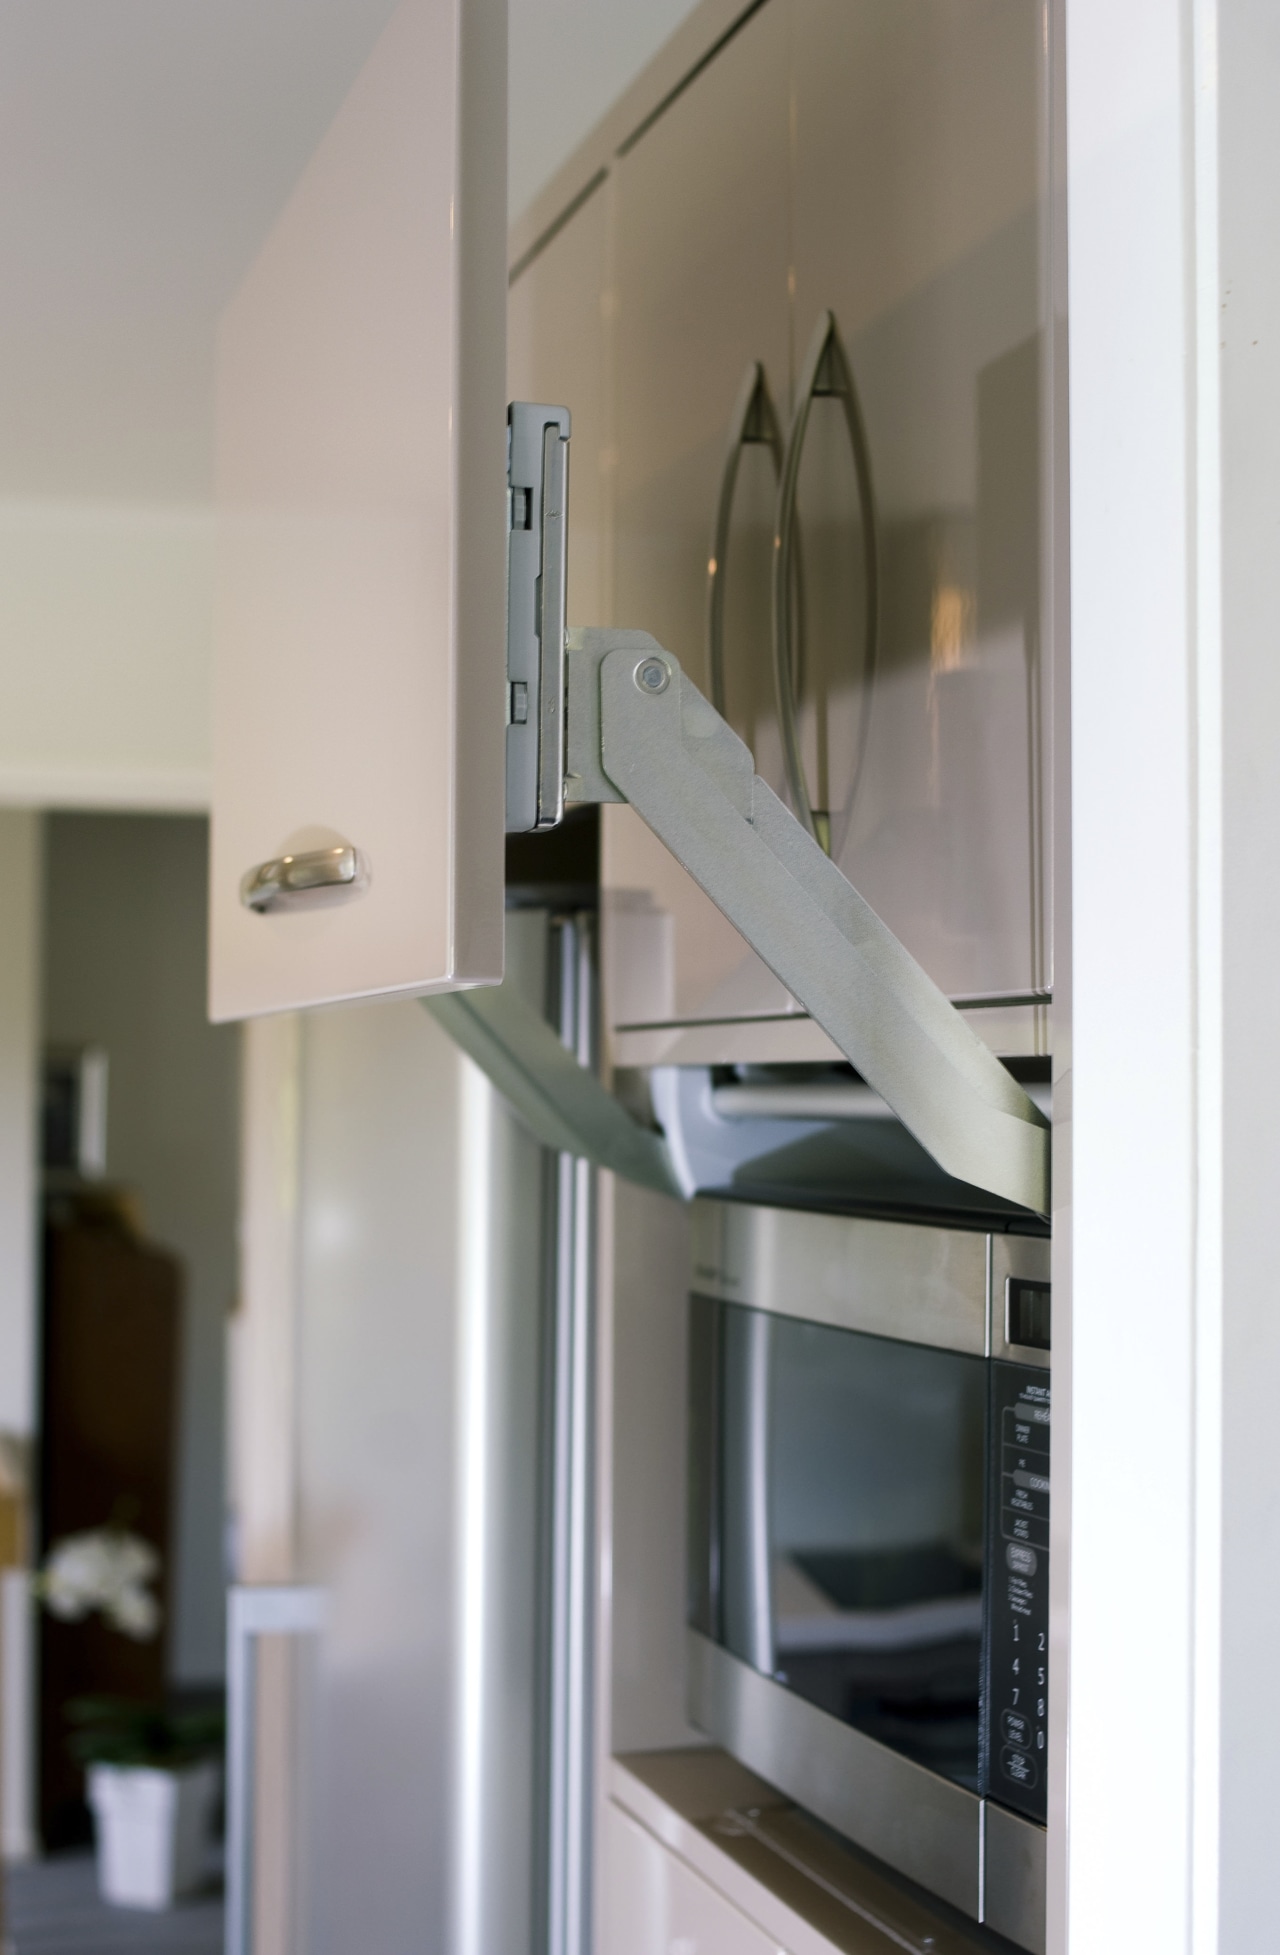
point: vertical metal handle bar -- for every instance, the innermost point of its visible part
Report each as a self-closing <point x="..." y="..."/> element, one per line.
<point x="826" y="374"/>
<point x="252" y="1612"/>
<point x="754" y="424"/>
<point x="747" y="1575"/>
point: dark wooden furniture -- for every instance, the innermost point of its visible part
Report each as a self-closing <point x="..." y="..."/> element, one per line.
<point x="109" y="1391"/>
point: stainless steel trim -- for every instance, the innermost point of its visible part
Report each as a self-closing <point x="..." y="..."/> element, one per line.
<point x="923" y="1285"/>
<point x="826" y="372"/>
<point x="990" y="1295"/>
<point x="994" y="1000"/>
<point x="252" y="1612"/>
<point x="820" y="1100"/>
<point x="918" y="1823"/>
<point x="286" y="878"/>
<point x="959" y="1001"/>
<point x="753" y="424"/>
<point x="747" y="1589"/>
<point x="1018" y="1256"/>
<point x="823" y="1100"/>
<point x="1014" y="1857"/>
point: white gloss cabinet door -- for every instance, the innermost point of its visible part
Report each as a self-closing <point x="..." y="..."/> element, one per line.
<point x="699" y="295"/>
<point x="655" y="1905"/>
<point x="359" y="635"/>
<point x="919" y="173"/>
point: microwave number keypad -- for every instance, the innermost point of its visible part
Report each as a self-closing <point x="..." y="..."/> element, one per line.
<point x="1016" y="1694"/>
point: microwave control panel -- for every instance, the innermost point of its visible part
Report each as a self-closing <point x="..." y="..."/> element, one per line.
<point x="1016" y="1684"/>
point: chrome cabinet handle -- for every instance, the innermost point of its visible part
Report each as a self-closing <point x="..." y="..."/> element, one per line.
<point x="754" y="423"/>
<point x="275" y="884"/>
<point x="827" y="374"/>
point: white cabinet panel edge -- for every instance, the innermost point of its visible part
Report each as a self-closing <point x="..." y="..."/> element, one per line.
<point x="657" y="1904"/>
<point x="359" y="634"/>
<point x="686" y="1842"/>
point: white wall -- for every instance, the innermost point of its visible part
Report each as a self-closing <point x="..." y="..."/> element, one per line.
<point x="105" y="622"/>
<point x="125" y="969"/>
<point x="1169" y="1585"/>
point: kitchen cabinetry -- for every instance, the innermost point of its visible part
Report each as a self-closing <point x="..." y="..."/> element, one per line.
<point x="656" y="1905"/>
<point x="917" y="221"/>
<point x="887" y="168"/>
<point x="700" y="293"/>
<point x="358" y="718"/>
<point x="558" y="352"/>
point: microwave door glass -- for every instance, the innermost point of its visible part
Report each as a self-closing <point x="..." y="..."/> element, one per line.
<point x="850" y="1536"/>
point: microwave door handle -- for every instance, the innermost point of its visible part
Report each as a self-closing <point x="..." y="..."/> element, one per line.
<point x="758" y="1583"/>
<point x="827" y="375"/>
<point x="753" y="424"/>
<point x="746" y="1587"/>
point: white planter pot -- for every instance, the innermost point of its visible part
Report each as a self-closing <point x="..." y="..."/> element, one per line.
<point x="153" y="1830"/>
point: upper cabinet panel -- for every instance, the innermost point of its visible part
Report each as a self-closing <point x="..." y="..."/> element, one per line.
<point x="359" y="653"/>
<point x="556" y="351"/>
<point x="700" y="296"/>
<point x="871" y="171"/>
<point x="919" y="223"/>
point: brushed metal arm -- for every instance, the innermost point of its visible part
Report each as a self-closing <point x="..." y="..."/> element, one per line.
<point x="753" y="424"/>
<point x="827" y="374"/>
<point x="640" y="731"/>
<point x="562" y="1103"/>
<point x="278" y="884"/>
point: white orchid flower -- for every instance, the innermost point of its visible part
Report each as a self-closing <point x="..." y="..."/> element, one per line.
<point x="135" y="1612"/>
<point x="106" y="1569"/>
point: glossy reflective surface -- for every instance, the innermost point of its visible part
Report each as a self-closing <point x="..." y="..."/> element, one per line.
<point x="838" y="1523"/>
<point x="888" y="169"/>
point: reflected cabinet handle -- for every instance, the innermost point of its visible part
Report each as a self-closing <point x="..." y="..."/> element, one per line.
<point x="277" y="883"/>
<point x="827" y="374"/>
<point x="754" y="424"/>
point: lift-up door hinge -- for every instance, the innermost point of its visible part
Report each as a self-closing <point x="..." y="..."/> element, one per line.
<point x="640" y="731"/>
<point x="537" y="519"/>
<point x="636" y="729"/>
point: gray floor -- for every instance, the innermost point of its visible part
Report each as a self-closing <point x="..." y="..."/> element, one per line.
<point x="52" y="1908"/>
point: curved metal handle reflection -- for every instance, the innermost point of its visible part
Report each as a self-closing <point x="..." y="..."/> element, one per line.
<point x="754" y="424"/>
<point x="287" y="877"/>
<point x="827" y="374"/>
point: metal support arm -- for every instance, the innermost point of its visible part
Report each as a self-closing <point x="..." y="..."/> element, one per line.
<point x="563" y="1105"/>
<point x="640" y="731"/>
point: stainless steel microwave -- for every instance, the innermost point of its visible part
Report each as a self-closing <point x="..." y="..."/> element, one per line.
<point x="869" y="1536"/>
